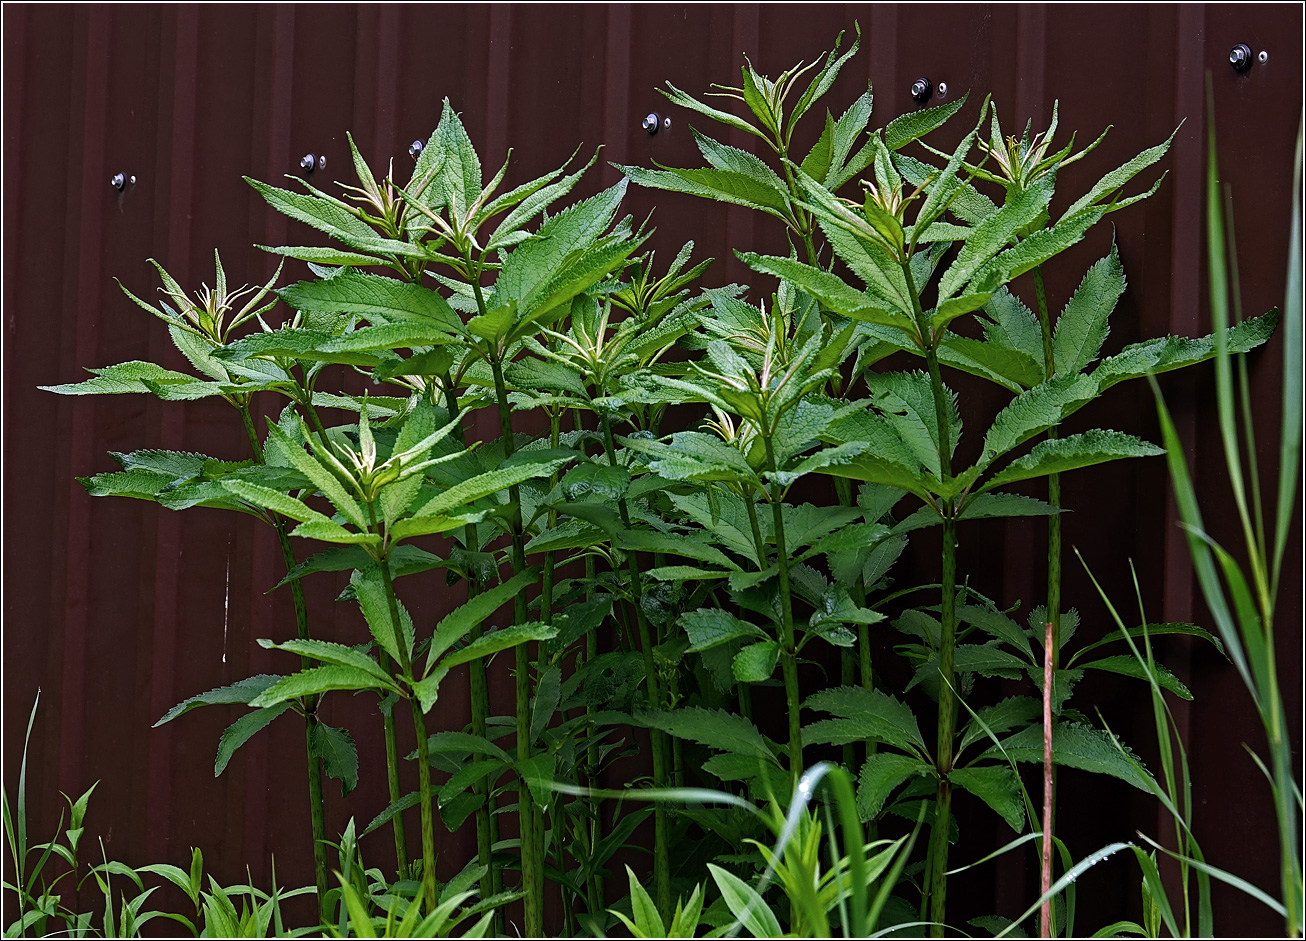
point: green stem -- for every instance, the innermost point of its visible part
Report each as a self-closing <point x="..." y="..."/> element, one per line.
<point x="1054" y="480"/>
<point x="423" y="759"/>
<point x="316" y="804"/>
<point x="392" y="779"/>
<point x="531" y="856"/>
<point x="938" y="850"/>
<point x="788" y="644"/>
<point x="487" y="824"/>
<point x="657" y="739"/>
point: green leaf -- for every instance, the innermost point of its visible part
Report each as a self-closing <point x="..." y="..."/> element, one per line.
<point x="881" y="773"/>
<point x="242" y="692"/>
<point x="1129" y="666"/>
<point x="320" y="680"/>
<point x="1033" y="412"/>
<point x="997" y="624"/>
<point x="914" y="125"/>
<point x="333" y="219"/>
<point x="831" y="291"/>
<point x="990" y="505"/>
<point x="994" y="233"/>
<point x="329" y="652"/>
<point x="756" y="662"/>
<point x="273" y="500"/>
<point x="495" y="324"/>
<point x="459" y="622"/>
<point x="460" y="181"/>
<point x="607" y="481"/>
<point x="711" y="727"/>
<point x="864" y="715"/>
<point x="1058" y="455"/>
<point x="370" y="295"/>
<point x="1082" y="326"/>
<point x="747" y="906"/>
<point x="327" y="531"/>
<point x="498" y="640"/>
<point x="711" y="627"/>
<point x="465" y="742"/>
<point x="1073" y="746"/>
<point x="369" y="590"/>
<point x="339" y="756"/>
<point x="686" y="101"/>
<point x="466" y="492"/>
<point x="997" y="786"/>
<point x="125" y="377"/>
<point x="141" y="484"/>
<point x="322" y="478"/>
<point x="1118" y="178"/>
<point x="1001" y="717"/>
<point x="241" y="731"/>
<point x="1166" y="353"/>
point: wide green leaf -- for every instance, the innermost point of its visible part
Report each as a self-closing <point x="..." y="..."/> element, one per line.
<point x="329" y="652"/>
<point x="1073" y="746"/>
<point x="1058" y="455"/>
<point x="864" y="715"/>
<point x="711" y="627"/>
<point x="997" y="786"/>
<point x="711" y="727"/>
<point x="338" y="753"/>
<point x="370" y="295"/>
<point x="459" y="622"/>
<point x="242" y="730"/>
<point x="320" y="680"/>
<point x="242" y="692"/>
<point x="881" y="773"/>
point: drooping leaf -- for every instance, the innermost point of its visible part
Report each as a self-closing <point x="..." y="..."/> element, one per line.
<point x="242" y="730"/>
<point x="316" y="680"/>
<point x="242" y="691"/>
<point x="1074" y="746"/>
<point x="1058" y="455"/>
<point x="997" y="786"/>
<point x="881" y="773"/>
<point x="338" y="753"/>
<point x="711" y="727"/>
<point x="864" y="715"/>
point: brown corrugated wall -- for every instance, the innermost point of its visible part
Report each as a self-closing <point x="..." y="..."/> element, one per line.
<point x="117" y="609"/>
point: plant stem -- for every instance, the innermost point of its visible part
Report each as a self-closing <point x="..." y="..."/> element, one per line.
<point x="531" y="857"/>
<point x="1045" y="917"/>
<point x="938" y="851"/>
<point x="487" y="825"/>
<point x="788" y="646"/>
<point x="657" y="738"/>
<point x="1054" y="480"/>
<point x="316" y="804"/>
<point x="423" y="758"/>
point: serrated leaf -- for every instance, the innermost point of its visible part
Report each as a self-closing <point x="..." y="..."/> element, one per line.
<point x="458" y="623"/>
<point x="319" y="680"/>
<point x="241" y="731"/>
<point x="273" y="500"/>
<point x="914" y="125"/>
<point x="1058" y="455"/>
<point x="997" y="786"/>
<point x="333" y="219"/>
<point x="371" y="295"/>
<point x="1073" y="746"/>
<point x="1082" y="327"/>
<point x="711" y="727"/>
<point x="756" y="662"/>
<point x="241" y="692"/>
<point x="1000" y="717"/>
<point x="466" y="492"/>
<point x="711" y="627"/>
<point x="339" y="755"/>
<point x="1033" y="412"/>
<point x="994" y="233"/>
<point x="881" y="773"/>
<point x="329" y="652"/>
<point x="1128" y="665"/>
<point x="864" y="715"/>
<point x="122" y="378"/>
<point x="496" y="641"/>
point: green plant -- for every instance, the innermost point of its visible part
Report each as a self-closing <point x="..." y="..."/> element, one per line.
<point x="1243" y="604"/>
<point x="659" y="576"/>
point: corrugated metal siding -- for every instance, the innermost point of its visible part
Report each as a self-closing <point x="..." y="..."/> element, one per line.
<point x="117" y="609"/>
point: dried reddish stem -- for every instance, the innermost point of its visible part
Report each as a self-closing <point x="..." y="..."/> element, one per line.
<point x="1045" y="928"/>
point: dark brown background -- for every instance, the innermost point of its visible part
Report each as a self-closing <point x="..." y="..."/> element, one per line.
<point x="116" y="609"/>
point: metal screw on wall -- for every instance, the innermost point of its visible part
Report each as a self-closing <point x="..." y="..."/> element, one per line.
<point x="921" y="89"/>
<point x="119" y="181"/>
<point x="1240" y="57"/>
<point x="942" y="90"/>
<point x="652" y="122"/>
<point x="309" y="162"/>
<point x="415" y="149"/>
